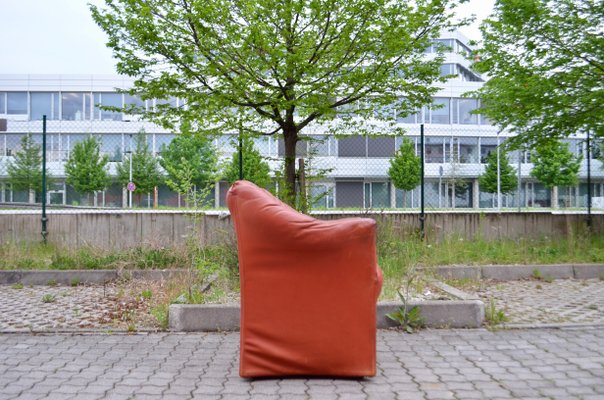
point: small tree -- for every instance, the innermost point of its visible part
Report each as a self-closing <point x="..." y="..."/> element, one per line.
<point x="405" y="168"/>
<point x="86" y="169"/>
<point x="190" y="162"/>
<point x="25" y="173"/>
<point x="555" y="165"/>
<point x="255" y="169"/>
<point x="146" y="174"/>
<point x="508" y="180"/>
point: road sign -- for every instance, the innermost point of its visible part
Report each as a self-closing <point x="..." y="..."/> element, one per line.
<point x="131" y="186"/>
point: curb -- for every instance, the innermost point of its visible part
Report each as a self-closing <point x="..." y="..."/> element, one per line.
<point x="498" y="272"/>
<point x="436" y="314"/>
<point x="65" y="277"/>
<point x="517" y="272"/>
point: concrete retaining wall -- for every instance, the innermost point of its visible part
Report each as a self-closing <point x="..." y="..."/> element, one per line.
<point x="127" y="229"/>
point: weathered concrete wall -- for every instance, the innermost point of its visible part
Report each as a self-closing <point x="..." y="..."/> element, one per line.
<point x="120" y="230"/>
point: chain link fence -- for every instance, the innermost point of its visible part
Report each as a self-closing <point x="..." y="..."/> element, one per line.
<point x="341" y="172"/>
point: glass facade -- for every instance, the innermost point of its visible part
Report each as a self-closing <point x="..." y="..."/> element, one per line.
<point x="44" y="103"/>
<point x="440" y="111"/>
<point x="73" y="106"/>
<point x="16" y="103"/>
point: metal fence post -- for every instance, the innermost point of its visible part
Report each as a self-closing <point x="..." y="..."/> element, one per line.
<point x="588" y="181"/>
<point x="44" y="219"/>
<point x="422" y="215"/>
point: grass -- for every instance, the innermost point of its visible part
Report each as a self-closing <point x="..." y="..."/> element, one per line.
<point x="48" y="298"/>
<point x="39" y="256"/>
<point x="493" y="315"/>
<point x="392" y="251"/>
<point x="395" y="255"/>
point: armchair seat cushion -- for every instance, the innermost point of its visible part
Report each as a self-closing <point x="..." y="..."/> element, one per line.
<point x="308" y="289"/>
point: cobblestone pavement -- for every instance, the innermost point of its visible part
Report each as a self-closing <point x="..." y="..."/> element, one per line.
<point x="540" y="302"/>
<point x="441" y="364"/>
<point x="66" y="308"/>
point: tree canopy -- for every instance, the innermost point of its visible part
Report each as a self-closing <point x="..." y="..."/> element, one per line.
<point x="255" y="169"/>
<point x="146" y="174"/>
<point x="555" y="165"/>
<point x="508" y="180"/>
<point x="275" y="67"/>
<point x="25" y="172"/>
<point x="546" y="63"/>
<point x="86" y="169"/>
<point x="193" y="153"/>
<point x="405" y="167"/>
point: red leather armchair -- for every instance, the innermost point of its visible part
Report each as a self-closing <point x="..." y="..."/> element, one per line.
<point x="308" y="289"/>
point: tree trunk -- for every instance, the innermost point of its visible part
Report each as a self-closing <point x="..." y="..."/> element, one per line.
<point x="554" y="197"/>
<point x="290" y="138"/>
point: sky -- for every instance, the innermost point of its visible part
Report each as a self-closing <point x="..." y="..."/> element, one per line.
<point x="60" y="37"/>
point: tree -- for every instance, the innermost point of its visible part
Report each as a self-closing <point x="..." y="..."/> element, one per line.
<point x="405" y="168"/>
<point x="508" y="180"/>
<point x="555" y="165"/>
<point x="146" y="174"/>
<point x="255" y="169"/>
<point x="25" y="173"/>
<point x="86" y="169"/>
<point x="190" y="162"/>
<point x="546" y="62"/>
<point x="276" y="67"/>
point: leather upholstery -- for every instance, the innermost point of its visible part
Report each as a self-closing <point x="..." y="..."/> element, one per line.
<point x="308" y="289"/>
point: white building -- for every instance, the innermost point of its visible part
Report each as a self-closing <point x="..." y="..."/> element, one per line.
<point x="457" y="143"/>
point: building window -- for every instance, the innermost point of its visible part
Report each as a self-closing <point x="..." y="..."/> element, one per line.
<point x="447" y="69"/>
<point x="108" y="100"/>
<point x="468" y="150"/>
<point x="352" y="146"/>
<point x="2" y="102"/>
<point x="487" y="145"/>
<point x="434" y="150"/>
<point x="444" y="45"/>
<point x="400" y="139"/>
<point x="377" y="195"/>
<point x="136" y="102"/>
<point x="322" y="146"/>
<point x="462" y="48"/>
<point x="16" y="103"/>
<point x="464" y="109"/>
<point x="13" y="144"/>
<point x="381" y="146"/>
<point x="172" y="102"/>
<point x="321" y="195"/>
<point x="75" y="106"/>
<point x="440" y="115"/>
<point x="44" y="103"/>
<point x="349" y="194"/>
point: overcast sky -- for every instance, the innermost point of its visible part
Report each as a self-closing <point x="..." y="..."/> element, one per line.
<point x="60" y="37"/>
